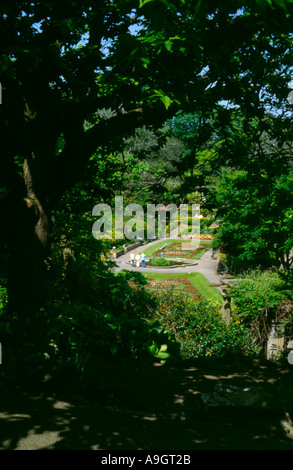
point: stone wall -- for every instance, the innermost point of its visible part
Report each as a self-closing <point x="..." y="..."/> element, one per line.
<point x="276" y="342"/>
<point x="116" y="253"/>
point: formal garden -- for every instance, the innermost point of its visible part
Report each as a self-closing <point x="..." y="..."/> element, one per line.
<point x="178" y="249"/>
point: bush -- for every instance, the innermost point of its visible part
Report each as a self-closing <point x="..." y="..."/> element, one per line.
<point x="96" y="353"/>
<point x="199" y="329"/>
<point x="159" y="262"/>
<point x="86" y="342"/>
<point x="257" y="291"/>
<point x="3" y="297"/>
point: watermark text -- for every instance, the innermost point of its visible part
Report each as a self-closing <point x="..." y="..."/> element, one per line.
<point x="159" y="221"/>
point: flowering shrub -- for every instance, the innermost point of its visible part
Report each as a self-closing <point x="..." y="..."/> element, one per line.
<point x="198" y="327"/>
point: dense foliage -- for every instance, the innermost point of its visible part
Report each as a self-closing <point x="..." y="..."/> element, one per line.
<point x="200" y="330"/>
<point x="254" y="192"/>
<point x="257" y="291"/>
<point x="181" y="101"/>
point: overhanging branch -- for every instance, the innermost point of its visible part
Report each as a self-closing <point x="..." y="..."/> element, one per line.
<point x="81" y="145"/>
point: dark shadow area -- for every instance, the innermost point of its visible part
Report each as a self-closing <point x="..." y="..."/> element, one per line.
<point x="163" y="407"/>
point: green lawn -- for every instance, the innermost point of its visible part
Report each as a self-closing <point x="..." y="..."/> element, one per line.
<point x="200" y="283"/>
<point x="206" y="244"/>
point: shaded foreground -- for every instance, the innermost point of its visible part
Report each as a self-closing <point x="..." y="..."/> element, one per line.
<point x="164" y="408"/>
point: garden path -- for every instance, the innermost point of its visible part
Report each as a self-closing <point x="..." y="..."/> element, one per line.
<point x="168" y="409"/>
<point x="207" y="265"/>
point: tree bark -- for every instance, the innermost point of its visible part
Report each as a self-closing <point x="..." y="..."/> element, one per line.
<point x="27" y="274"/>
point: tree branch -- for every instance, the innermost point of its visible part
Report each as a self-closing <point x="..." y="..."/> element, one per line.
<point x="81" y="145"/>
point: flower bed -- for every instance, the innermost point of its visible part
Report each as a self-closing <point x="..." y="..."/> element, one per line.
<point x="175" y="249"/>
<point x="202" y="236"/>
<point x="173" y="283"/>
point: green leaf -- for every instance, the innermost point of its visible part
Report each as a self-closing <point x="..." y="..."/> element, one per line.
<point x="166" y="100"/>
<point x="145" y="61"/>
<point x="152" y="349"/>
<point x="280" y="3"/>
<point x="162" y="355"/>
<point x="144" y="2"/>
<point x="168" y="45"/>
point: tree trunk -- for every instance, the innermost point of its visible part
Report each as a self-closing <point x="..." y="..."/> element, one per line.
<point x="27" y="274"/>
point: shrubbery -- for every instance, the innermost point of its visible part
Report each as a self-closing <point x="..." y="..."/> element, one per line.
<point x="159" y="262"/>
<point x="91" y="343"/>
<point x="256" y="291"/>
<point x="3" y="296"/>
<point x="199" y="329"/>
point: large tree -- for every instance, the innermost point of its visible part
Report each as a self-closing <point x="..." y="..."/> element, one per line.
<point x="254" y="194"/>
<point x="63" y="62"/>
